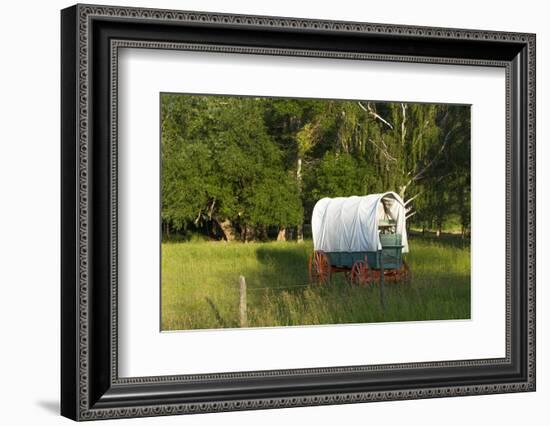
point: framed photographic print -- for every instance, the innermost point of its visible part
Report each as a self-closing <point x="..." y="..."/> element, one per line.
<point x="263" y="212"/>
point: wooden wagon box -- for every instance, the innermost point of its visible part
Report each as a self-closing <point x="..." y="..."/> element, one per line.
<point x="390" y="254"/>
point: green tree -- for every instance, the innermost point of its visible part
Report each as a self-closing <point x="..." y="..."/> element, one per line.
<point x="247" y="165"/>
<point x="336" y="176"/>
<point x="218" y="161"/>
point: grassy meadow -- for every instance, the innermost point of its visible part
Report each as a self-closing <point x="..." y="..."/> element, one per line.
<point x="200" y="288"/>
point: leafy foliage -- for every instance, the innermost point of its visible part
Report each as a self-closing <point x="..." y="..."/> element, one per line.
<point x="244" y="165"/>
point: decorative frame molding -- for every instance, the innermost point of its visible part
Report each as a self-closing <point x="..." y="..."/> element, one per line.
<point x="91" y="37"/>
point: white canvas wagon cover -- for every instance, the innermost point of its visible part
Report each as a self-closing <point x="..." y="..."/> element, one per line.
<point x="350" y="224"/>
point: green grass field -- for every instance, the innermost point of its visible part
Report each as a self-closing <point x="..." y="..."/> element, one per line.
<point x="200" y="288"/>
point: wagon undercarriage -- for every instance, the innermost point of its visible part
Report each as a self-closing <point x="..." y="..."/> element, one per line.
<point x="359" y="273"/>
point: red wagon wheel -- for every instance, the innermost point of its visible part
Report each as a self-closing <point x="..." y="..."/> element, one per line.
<point x="392" y="275"/>
<point x="360" y="273"/>
<point x="402" y="274"/>
<point x="319" y="268"/>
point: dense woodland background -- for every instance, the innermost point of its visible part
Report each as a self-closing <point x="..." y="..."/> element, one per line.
<point x="246" y="168"/>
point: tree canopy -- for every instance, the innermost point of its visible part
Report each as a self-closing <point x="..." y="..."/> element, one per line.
<point x="246" y="168"/>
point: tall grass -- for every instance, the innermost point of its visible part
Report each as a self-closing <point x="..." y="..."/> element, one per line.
<point x="200" y="287"/>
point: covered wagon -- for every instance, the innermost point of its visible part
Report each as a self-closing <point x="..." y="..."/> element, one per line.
<point x="363" y="236"/>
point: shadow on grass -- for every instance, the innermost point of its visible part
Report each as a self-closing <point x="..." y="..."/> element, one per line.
<point x="288" y="265"/>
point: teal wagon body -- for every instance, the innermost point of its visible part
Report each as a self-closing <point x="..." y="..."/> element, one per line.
<point x="390" y="254"/>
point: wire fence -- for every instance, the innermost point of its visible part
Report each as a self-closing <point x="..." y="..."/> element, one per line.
<point x="243" y="290"/>
<point x="280" y="287"/>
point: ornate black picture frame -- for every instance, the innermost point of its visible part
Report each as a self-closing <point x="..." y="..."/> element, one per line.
<point x="91" y="388"/>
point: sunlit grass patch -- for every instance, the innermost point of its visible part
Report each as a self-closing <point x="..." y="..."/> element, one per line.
<point x="200" y="288"/>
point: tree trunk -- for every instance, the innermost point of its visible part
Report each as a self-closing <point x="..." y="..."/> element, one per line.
<point x="227" y="228"/>
<point x="262" y="232"/>
<point x="249" y="233"/>
<point x="282" y="234"/>
<point x="300" y="234"/>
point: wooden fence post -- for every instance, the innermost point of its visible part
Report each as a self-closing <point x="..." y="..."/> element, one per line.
<point x="242" y="302"/>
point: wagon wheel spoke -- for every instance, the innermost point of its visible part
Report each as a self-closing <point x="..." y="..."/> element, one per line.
<point x="349" y="277"/>
<point x="360" y="273"/>
<point x="319" y="268"/>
